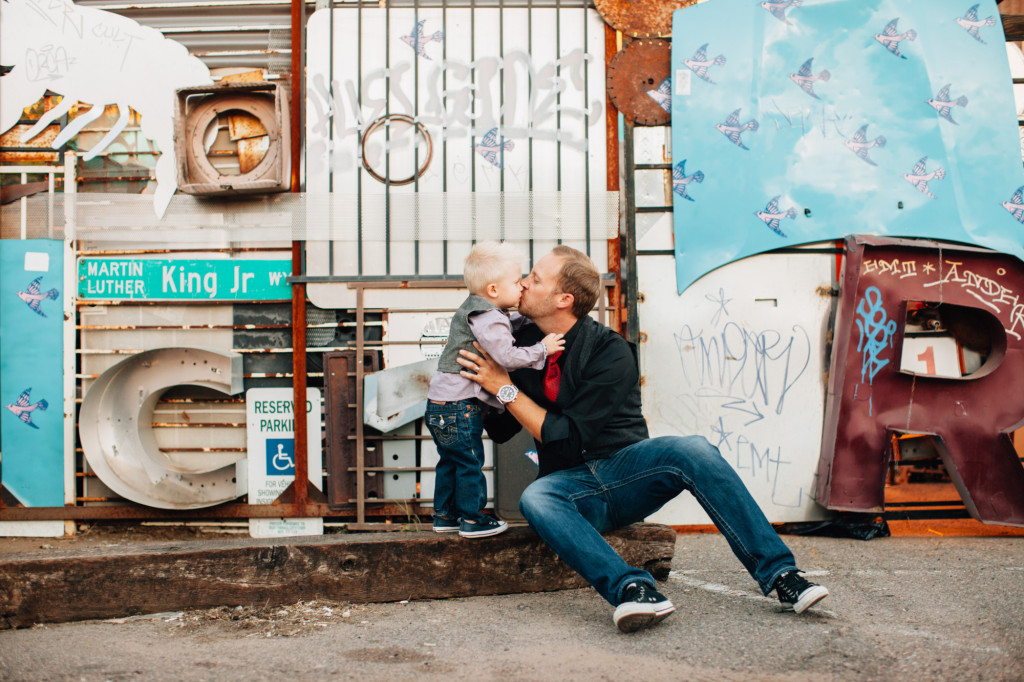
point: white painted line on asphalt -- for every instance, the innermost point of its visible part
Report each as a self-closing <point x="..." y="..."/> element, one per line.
<point x="685" y="578"/>
<point x="947" y="641"/>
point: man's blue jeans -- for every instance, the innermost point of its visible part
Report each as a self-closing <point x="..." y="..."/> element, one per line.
<point x="570" y="509"/>
<point x="460" y="489"/>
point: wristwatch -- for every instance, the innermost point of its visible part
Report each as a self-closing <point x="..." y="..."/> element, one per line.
<point x="507" y="394"/>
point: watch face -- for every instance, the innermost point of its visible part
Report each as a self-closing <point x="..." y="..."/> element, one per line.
<point x="507" y="393"/>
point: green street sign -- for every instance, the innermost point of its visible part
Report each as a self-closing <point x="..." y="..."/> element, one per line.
<point x="183" y="280"/>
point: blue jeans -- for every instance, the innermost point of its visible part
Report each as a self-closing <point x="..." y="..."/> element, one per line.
<point x="460" y="489"/>
<point x="570" y="509"/>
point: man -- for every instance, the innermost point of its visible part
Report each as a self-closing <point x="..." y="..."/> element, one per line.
<point x="599" y="469"/>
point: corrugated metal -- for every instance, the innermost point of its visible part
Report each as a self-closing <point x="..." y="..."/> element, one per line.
<point x="248" y="34"/>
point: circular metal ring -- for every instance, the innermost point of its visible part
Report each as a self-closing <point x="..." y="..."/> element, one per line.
<point x="420" y="130"/>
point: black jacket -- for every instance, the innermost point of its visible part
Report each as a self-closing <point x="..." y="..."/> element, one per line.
<point x="598" y="410"/>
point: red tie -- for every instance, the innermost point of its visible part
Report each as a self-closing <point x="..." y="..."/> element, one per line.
<point x="552" y="376"/>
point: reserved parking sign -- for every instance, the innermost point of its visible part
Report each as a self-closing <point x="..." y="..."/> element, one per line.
<point x="270" y="428"/>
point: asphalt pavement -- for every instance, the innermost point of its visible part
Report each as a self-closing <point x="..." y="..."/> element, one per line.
<point x="900" y="608"/>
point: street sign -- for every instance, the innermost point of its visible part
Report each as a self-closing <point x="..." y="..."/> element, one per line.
<point x="183" y="280"/>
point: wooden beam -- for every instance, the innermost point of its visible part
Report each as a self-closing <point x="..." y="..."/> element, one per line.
<point x="108" y="582"/>
<point x="1013" y="27"/>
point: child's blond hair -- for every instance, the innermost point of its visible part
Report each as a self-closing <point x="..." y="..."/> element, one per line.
<point x="488" y="262"/>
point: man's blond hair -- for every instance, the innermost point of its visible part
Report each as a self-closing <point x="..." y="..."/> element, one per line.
<point x="579" y="277"/>
<point x="488" y="262"/>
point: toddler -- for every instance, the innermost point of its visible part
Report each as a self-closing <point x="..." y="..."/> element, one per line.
<point x="454" y="404"/>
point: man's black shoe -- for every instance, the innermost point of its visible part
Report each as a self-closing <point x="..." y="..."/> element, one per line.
<point x="797" y="594"/>
<point x="642" y="606"/>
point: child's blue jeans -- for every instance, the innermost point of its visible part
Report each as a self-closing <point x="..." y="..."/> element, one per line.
<point x="460" y="489"/>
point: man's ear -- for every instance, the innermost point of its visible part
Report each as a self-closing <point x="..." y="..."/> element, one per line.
<point x="565" y="300"/>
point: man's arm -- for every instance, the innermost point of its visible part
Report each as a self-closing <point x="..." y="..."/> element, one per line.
<point x="491" y="376"/>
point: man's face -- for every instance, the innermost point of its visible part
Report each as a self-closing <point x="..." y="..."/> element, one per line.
<point x="540" y="288"/>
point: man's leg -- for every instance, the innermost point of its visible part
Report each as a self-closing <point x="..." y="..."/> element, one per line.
<point x="640" y="479"/>
<point x="636" y="482"/>
<point x="568" y="510"/>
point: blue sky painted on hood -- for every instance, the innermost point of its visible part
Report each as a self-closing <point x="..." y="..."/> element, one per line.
<point x="835" y="147"/>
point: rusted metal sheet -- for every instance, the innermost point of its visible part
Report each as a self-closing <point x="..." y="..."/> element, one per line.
<point x="641" y="18"/>
<point x="242" y="126"/>
<point x="869" y="397"/>
<point x="251" y="151"/>
<point x="638" y="82"/>
<point x="342" y="422"/>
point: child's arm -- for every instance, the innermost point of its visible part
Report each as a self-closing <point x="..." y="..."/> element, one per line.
<point x="494" y="333"/>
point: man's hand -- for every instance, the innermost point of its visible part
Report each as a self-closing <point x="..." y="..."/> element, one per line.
<point x="492" y="376"/>
<point x="483" y="370"/>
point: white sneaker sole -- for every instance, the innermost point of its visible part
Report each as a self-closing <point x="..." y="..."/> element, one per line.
<point x="446" y="530"/>
<point x="630" y="617"/>
<point x="809" y="598"/>
<point x="484" y="533"/>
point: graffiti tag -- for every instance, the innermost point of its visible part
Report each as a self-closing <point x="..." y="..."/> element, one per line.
<point x="876" y="333"/>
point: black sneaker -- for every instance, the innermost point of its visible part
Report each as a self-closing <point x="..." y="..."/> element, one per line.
<point x="445" y="525"/>
<point x="482" y="527"/>
<point x="642" y="606"/>
<point x="797" y="594"/>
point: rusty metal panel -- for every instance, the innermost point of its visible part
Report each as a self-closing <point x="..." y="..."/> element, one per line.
<point x="342" y="423"/>
<point x="638" y="82"/>
<point x="869" y="397"/>
<point x="641" y="18"/>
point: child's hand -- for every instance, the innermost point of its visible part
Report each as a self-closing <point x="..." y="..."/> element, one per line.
<point x="554" y="343"/>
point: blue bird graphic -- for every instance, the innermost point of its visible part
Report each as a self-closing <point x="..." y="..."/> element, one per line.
<point x="891" y="39"/>
<point x="699" y="62"/>
<point x="972" y="24"/>
<point x="919" y="176"/>
<point x="1016" y="205"/>
<point x="663" y="94"/>
<point x="418" y="42"/>
<point x="23" y="407"/>
<point x="771" y="217"/>
<point x="680" y="179"/>
<point x="859" y="144"/>
<point x="490" y="148"/>
<point x="34" y="297"/>
<point x="732" y="128"/>
<point x="944" y="106"/>
<point x="778" y="8"/>
<point x="805" y="79"/>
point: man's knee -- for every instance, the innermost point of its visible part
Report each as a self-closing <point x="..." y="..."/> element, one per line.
<point x="537" y="499"/>
<point x="693" y="451"/>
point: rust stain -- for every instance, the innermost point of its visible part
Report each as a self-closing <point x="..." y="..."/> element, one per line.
<point x="641" y="18"/>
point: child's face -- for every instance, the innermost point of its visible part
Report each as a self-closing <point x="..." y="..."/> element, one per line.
<point x="505" y="292"/>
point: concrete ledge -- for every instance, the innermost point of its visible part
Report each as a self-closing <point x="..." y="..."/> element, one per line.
<point x="53" y="587"/>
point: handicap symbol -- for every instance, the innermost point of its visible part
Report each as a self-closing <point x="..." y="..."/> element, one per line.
<point x="282" y="460"/>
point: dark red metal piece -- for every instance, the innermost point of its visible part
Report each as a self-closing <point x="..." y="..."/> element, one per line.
<point x="340" y="390"/>
<point x="641" y="18"/>
<point x="869" y="398"/>
<point x="638" y="82"/>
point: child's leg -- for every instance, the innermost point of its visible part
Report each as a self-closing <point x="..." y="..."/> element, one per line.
<point x="437" y="418"/>
<point x="460" y="489"/>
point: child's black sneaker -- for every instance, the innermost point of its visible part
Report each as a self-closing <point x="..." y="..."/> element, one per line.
<point x="797" y="594"/>
<point x="642" y="606"/>
<point x="482" y="527"/>
<point x="445" y="525"/>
